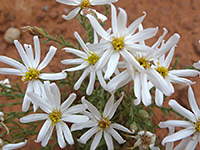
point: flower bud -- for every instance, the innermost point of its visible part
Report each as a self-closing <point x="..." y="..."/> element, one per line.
<point x="144" y="114"/>
<point x="133" y="127"/>
<point x="34" y="31"/>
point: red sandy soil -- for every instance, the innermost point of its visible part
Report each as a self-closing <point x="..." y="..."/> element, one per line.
<point x="177" y="16"/>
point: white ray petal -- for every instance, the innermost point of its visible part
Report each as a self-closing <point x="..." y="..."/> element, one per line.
<point x="132" y="28"/>
<point x="138" y="47"/>
<point x="87" y="135"/>
<point x="96" y="140"/>
<point x="181" y="110"/>
<point x="65" y="105"/>
<point x="143" y="35"/>
<point x="75" y="109"/>
<point x="109" y="141"/>
<point x="178" y="135"/>
<point x="33" y="118"/>
<point x="47" y="137"/>
<point x="108" y="105"/>
<point x="91" y="108"/>
<point x="76" y="52"/>
<point x="14" y="146"/>
<point x="91" y="83"/>
<point x="48" y="58"/>
<point x="53" y="76"/>
<point x="99" y="46"/>
<point x="80" y="126"/>
<point x="169" y="57"/>
<point x="29" y="52"/>
<point x="146" y="96"/>
<point x="101" y="79"/>
<point x="72" y="14"/>
<point x="83" y="45"/>
<point x="112" y="64"/>
<point x="37" y="50"/>
<point x="11" y="71"/>
<point x="22" y="54"/>
<point x="185" y="73"/>
<point x="176" y="79"/>
<point x="159" y="41"/>
<point x="122" y="21"/>
<point x="70" y="2"/>
<point x="98" y="28"/>
<point x="114" y="107"/>
<point x="80" y="67"/>
<point x="104" y="59"/>
<point x="34" y="98"/>
<point x="67" y="134"/>
<point x="43" y="130"/>
<point x="193" y="103"/>
<point x="168" y="45"/>
<point x="60" y="136"/>
<point x="159" y="98"/>
<point x="116" y="135"/>
<point x="121" y="128"/>
<point x="80" y="80"/>
<point x="76" y="61"/>
<point x="175" y="123"/>
<point x="13" y="63"/>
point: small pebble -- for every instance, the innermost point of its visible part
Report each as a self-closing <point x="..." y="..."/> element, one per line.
<point x="12" y="34"/>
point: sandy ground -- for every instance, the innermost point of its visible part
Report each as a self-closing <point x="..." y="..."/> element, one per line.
<point x="177" y="16"/>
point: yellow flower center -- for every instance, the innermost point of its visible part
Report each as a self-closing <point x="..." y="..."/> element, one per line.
<point x="85" y="4"/>
<point x="197" y="126"/>
<point x="55" y="116"/>
<point x="92" y="59"/>
<point x="31" y="75"/>
<point x="104" y="123"/>
<point x="162" y="71"/>
<point x="146" y="141"/>
<point x="118" y="43"/>
<point x="143" y="62"/>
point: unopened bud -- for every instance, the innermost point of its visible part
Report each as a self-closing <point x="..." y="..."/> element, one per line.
<point x="133" y="127"/>
<point x="144" y="114"/>
<point x="34" y="31"/>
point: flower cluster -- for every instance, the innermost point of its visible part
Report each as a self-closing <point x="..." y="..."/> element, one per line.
<point x="116" y="57"/>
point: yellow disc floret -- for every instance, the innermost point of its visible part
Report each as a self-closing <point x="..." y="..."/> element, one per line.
<point x="162" y="71"/>
<point x="55" y="116"/>
<point x="146" y="141"/>
<point x="104" y="123"/>
<point x="32" y="74"/>
<point x="92" y="59"/>
<point x="143" y="62"/>
<point x="85" y="4"/>
<point x="118" y="43"/>
<point x="197" y="126"/>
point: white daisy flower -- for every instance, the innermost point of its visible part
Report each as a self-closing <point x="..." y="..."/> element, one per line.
<point x="121" y="42"/>
<point x="191" y="133"/>
<point x="87" y="60"/>
<point x="142" y="85"/>
<point x="4" y="146"/>
<point x="101" y="124"/>
<point x="56" y="115"/>
<point x="170" y="76"/>
<point x="84" y="5"/>
<point x="145" y="140"/>
<point x="31" y="70"/>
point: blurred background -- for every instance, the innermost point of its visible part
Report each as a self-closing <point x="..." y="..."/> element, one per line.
<point x="177" y="16"/>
